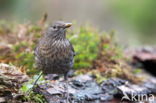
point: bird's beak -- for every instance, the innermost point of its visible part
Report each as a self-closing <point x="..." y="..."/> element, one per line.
<point x="67" y="25"/>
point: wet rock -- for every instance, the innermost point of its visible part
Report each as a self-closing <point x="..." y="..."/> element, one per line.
<point x="152" y="101"/>
<point x="81" y="88"/>
<point x="11" y="79"/>
<point x="110" y="85"/>
<point x="85" y="90"/>
<point x="138" y="92"/>
<point x="151" y="85"/>
<point x="105" y="97"/>
<point x="110" y="88"/>
<point x="118" y="88"/>
<point x="130" y="89"/>
<point x="145" y="57"/>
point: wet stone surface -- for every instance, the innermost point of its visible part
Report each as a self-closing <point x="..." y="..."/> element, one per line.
<point x="151" y="85"/>
<point x="84" y="89"/>
<point x="78" y="89"/>
<point x="144" y="57"/>
<point x="110" y="85"/>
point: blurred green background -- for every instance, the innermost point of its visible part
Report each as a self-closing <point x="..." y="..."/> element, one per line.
<point x="133" y="20"/>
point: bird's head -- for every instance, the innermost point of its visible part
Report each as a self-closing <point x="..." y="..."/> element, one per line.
<point x="58" y="29"/>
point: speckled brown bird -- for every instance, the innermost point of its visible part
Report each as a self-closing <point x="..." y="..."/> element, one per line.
<point x="54" y="53"/>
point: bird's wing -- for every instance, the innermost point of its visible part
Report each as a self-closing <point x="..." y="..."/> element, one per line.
<point x="72" y="49"/>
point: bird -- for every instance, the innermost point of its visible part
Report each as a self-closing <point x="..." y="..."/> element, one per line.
<point x="54" y="53"/>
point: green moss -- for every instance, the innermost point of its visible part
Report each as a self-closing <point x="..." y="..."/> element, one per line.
<point x="34" y="98"/>
<point x="86" y="46"/>
<point x="26" y="59"/>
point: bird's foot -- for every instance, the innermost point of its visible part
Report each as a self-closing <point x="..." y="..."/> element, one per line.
<point x="66" y="92"/>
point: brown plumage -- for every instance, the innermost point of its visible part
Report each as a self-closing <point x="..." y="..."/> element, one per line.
<point x="54" y="53"/>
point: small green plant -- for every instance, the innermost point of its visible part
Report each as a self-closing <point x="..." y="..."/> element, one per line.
<point x="27" y="87"/>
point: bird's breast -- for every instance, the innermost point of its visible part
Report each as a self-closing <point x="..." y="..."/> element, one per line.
<point x="56" y="49"/>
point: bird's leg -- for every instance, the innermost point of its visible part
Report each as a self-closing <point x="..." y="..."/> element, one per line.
<point x="66" y="76"/>
<point x="34" y="83"/>
<point x="66" y="87"/>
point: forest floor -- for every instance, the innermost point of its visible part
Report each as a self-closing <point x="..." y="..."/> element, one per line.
<point x="103" y="73"/>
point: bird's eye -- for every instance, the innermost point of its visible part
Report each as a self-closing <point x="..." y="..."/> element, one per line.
<point x="54" y="27"/>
